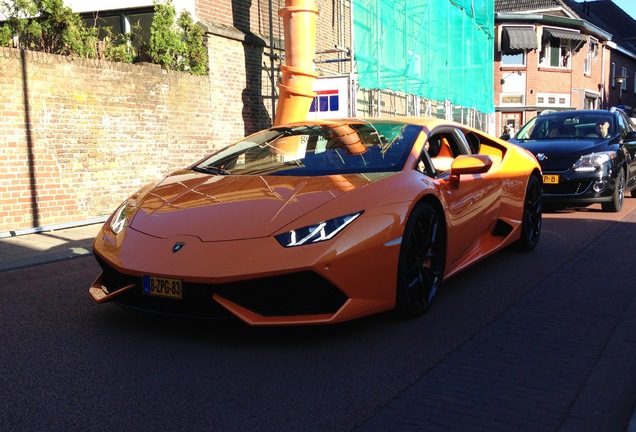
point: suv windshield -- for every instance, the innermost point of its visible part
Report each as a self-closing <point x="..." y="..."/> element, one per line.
<point x="572" y="125"/>
<point x="319" y="149"/>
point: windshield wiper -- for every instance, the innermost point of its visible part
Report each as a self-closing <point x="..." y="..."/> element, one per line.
<point x="212" y="170"/>
<point x="282" y="133"/>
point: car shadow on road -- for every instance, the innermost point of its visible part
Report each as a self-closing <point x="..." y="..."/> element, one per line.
<point x="478" y="294"/>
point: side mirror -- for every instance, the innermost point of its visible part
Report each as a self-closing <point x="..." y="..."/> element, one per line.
<point x="469" y="164"/>
<point x="630" y="137"/>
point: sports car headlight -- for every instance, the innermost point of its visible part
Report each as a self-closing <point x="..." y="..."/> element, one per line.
<point x="591" y="162"/>
<point x="122" y="215"/>
<point x="316" y="233"/>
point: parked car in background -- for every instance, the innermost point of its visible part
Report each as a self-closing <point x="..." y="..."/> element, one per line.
<point x="586" y="156"/>
<point x="320" y="222"/>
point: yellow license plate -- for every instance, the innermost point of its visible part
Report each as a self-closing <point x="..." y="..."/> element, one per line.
<point x="550" y="178"/>
<point x="162" y="287"/>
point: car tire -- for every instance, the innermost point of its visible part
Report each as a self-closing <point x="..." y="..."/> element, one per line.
<point x="421" y="262"/>
<point x="616" y="204"/>
<point x="531" y="219"/>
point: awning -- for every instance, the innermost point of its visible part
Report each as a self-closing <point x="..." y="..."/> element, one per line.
<point x="578" y="40"/>
<point x="564" y="34"/>
<point x="518" y="39"/>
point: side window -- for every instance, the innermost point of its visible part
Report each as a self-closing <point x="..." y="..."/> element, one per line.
<point x="425" y="166"/>
<point x="622" y="125"/>
<point x="460" y="143"/>
<point x="442" y="148"/>
<point x="441" y="145"/>
<point x="473" y="142"/>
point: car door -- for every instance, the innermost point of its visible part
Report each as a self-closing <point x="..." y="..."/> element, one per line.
<point x="625" y="127"/>
<point x="471" y="206"/>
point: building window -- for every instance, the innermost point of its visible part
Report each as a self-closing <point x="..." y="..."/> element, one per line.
<point x="557" y="53"/>
<point x="613" y="74"/>
<point x="558" y="45"/>
<point x="553" y="100"/>
<point x="624" y="74"/>
<point x="119" y="23"/>
<point x="592" y="53"/>
<point x="518" y="59"/>
<point x="515" y="42"/>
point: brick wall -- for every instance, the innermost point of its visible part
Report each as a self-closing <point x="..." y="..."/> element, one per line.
<point x="78" y="136"/>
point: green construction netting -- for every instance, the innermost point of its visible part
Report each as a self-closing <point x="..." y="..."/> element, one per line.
<point x="435" y="49"/>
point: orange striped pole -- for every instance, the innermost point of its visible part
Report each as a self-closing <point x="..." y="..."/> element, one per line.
<point x="298" y="73"/>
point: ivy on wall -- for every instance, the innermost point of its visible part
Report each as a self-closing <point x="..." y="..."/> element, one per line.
<point x="175" y="43"/>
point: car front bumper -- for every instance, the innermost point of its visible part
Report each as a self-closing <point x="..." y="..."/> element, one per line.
<point x="256" y="280"/>
<point x="577" y="188"/>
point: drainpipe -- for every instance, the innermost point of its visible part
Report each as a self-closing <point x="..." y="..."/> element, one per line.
<point x="272" y="57"/>
<point x="603" y="77"/>
<point x="298" y="73"/>
<point x="353" y="83"/>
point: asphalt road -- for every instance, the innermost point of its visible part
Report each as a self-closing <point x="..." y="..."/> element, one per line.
<point x="67" y="364"/>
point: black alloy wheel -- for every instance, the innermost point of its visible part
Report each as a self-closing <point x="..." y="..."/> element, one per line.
<point x="616" y="204"/>
<point x="421" y="265"/>
<point x="532" y="215"/>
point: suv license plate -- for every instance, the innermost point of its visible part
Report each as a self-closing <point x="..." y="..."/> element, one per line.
<point x="550" y="178"/>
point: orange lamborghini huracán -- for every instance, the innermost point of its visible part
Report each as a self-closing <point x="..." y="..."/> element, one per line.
<point x="320" y="222"/>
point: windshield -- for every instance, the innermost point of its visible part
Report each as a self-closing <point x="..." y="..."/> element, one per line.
<point x="317" y="150"/>
<point x="572" y="125"/>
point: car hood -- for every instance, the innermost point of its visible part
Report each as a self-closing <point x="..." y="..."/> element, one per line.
<point x="562" y="153"/>
<point x="564" y="147"/>
<point x="227" y="207"/>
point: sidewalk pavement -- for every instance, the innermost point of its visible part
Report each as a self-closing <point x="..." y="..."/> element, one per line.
<point x="45" y="247"/>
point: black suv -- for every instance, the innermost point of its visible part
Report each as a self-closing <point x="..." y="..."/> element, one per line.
<point x="586" y="156"/>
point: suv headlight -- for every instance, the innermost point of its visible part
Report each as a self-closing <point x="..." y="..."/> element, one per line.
<point x="591" y="162"/>
<point x="316" y="233"/>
